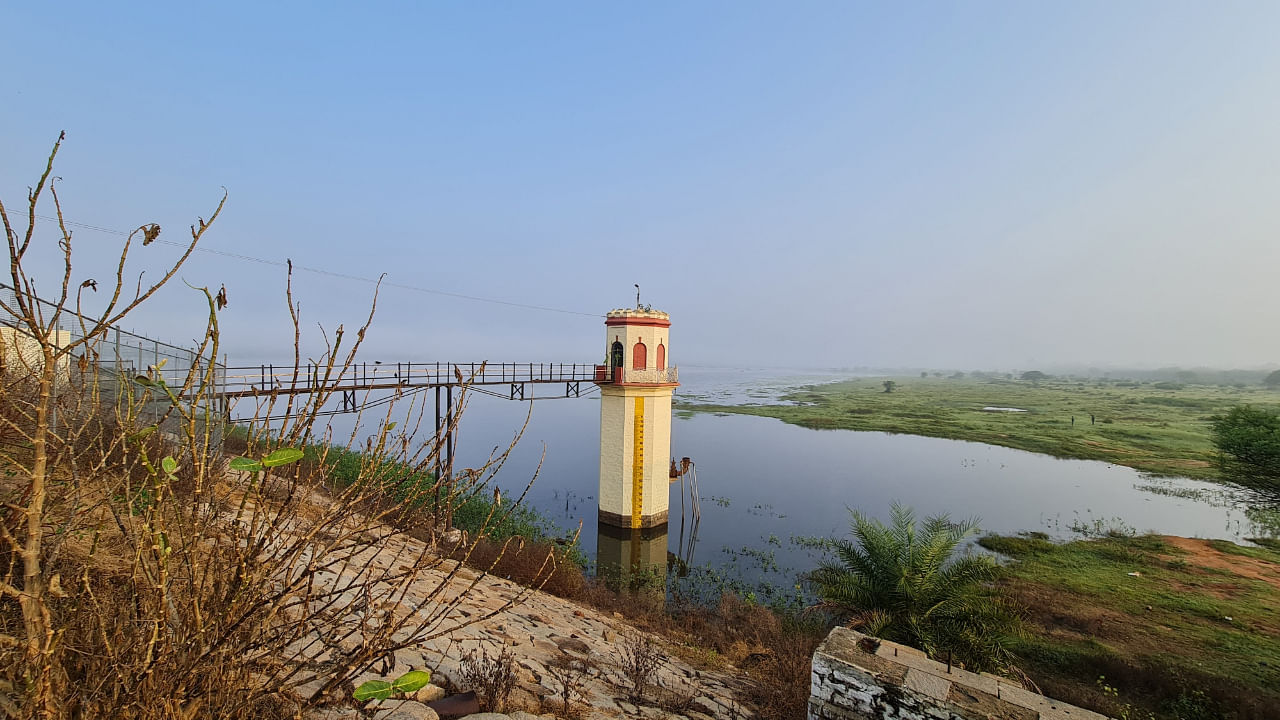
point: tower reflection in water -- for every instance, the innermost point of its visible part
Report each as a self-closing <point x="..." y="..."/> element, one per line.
<point x="632" y="558"/>
<point x="639" y="559"/>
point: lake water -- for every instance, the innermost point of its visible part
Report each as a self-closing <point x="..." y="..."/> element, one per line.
<point x="764" y="482"/>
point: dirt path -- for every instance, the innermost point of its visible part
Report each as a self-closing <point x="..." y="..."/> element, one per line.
<point x="1200" y="552"/>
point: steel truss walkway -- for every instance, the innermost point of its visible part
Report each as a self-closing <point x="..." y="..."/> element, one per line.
<point x="515" y="379"/>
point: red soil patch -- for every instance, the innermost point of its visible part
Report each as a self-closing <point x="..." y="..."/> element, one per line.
<point x="1200" y="552"/>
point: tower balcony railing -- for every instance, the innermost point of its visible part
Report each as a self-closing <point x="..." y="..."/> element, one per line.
<point x="647" y="376"/>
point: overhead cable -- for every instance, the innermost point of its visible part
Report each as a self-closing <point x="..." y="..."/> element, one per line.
<point x="331" y="273"/>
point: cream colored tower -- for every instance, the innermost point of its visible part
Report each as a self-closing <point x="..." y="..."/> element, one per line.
<point x="635" y="418"/>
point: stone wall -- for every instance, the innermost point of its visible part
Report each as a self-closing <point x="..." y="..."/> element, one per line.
<point x="856" y="677"/>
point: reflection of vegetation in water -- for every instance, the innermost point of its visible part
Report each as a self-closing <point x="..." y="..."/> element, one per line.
<point x="1086" y="525"/>
<point x="635" y="578"/>
<point x="721" y="501"/>
<point x="1260" y="508"/>
<point x="1103" y="527"/>
<point x="764" y="510"/>
<point x="1265" y="487"/>
<point x="1266" y="521"/>
<point x="706" y="585"/>
<point x="1214" y="497"/>
<point x="761" y="560"/>
<point x="751" y="573"/>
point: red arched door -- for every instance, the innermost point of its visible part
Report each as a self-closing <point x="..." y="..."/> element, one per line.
<point x="662" y="356"/>
<point x="639" y="356"/>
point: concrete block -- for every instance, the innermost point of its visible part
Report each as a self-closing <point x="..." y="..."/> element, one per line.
<point x="927" y="684"/>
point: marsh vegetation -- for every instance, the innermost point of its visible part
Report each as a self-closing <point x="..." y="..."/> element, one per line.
<point x="1158" y="427"/>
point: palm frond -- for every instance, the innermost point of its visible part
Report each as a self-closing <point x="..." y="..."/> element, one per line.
<point x="904" y="582"/>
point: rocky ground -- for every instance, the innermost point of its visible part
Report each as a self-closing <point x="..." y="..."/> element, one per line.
<point x="541" y="631"/>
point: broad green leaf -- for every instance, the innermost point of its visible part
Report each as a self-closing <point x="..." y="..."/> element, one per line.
<point x="169" y="465"/>
<point x="245" y="464"/>
<point x="410" y="681"/>
<point x="283" y="456"/>
<point x="391" y="426"/>
<point x="142" y="433"/>
<point x="374" y="690"/>
<point x="144" y="381"/>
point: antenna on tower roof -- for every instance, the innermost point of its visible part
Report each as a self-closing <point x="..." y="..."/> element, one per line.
<point x="638" y="296"/>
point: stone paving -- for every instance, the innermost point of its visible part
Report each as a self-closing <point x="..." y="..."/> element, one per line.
<point x="538" y="628"/>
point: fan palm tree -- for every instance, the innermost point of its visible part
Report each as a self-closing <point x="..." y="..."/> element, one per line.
<point x="906" y="584"/>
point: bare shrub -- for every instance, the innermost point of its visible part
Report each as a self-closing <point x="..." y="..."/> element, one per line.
<point x="775" y="651"/>
<point x="781" y="678"/>
<point x="139" y="578"/>
<point x="570" y="671"/>
<point x="639" y="658"/>
<point x="492" y="678"/>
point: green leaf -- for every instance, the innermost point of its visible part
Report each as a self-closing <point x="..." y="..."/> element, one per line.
<point x="391" y="426"/>
<point x="169" y="465"/>
<point x="142" y="433"/>
<point x="245" y="464"/>
<point x="374" y="690"/>
<point x="283" y="456"/>
<point x="144" y="381"/>
<point x="410" y="681"/>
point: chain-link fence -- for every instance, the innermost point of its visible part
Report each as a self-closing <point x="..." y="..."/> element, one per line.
<point x="117" y="357"/>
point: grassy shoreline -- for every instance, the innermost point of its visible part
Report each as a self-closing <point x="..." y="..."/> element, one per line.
<point x="1160" y="428"/>
<point x="1180" y="627"/>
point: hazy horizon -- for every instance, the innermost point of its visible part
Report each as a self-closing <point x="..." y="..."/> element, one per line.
<point x="829" y="185"/>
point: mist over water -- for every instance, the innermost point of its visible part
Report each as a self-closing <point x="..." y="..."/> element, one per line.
<point x="765" y="483"/>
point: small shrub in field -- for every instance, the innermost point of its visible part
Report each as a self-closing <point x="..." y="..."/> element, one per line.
<point x="492" y="678"/>
<point x="571" y="672"/>
<point x="639" y="658"/>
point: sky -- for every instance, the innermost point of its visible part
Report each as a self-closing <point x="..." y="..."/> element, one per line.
<point x="966" y="185"/>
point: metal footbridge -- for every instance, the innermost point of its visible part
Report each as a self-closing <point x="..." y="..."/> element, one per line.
<point x="512" y="381"/>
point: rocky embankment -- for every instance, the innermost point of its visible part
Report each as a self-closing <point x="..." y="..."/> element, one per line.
<point x="540" y="631"/>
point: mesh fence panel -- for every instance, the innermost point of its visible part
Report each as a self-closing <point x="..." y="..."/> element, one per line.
<point x="119" y="356"/>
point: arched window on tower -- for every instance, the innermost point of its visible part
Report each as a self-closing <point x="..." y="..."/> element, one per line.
<point x="616" y="355"/>
<point x="639" y="356"/>
<point x="662" y="356"/>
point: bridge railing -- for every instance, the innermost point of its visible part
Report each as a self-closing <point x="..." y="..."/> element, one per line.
<point x="379" y="375"/>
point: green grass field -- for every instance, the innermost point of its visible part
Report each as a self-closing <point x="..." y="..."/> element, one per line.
<point x="1186" y="628"/>
<point x="1160" y="428"/>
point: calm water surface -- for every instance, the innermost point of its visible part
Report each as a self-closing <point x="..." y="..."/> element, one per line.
<point x="764" y="482"/>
